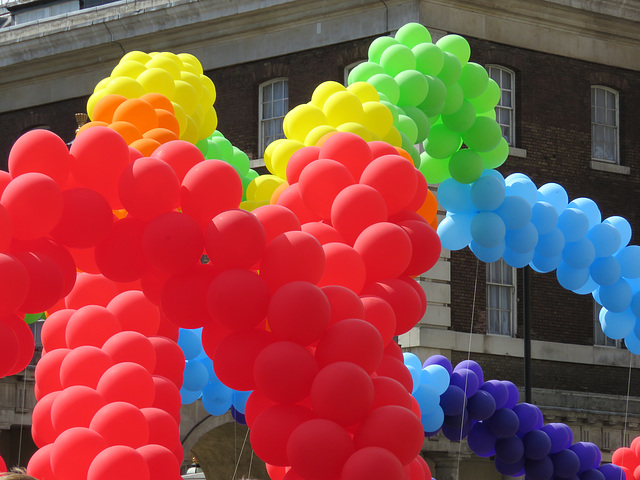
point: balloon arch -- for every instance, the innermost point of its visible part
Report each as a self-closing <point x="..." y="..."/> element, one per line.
<point x="307" y="277"/>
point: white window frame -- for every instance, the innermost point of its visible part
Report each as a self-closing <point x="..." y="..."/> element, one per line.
<point x="505" y="90"/>
<point x="500" y="285"/>
<point x="606" y="125"/>
<point x="599" y="338"/>
<point x="276" y="120"/>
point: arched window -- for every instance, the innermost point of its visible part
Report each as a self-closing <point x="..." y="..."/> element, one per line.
<point x="506" y="108"/>
<point x="605" y="144"/>
<point x="274" y="104"/>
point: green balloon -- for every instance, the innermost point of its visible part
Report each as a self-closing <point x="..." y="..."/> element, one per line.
<point x="435" y="99"/>
<point x="397" y="58"/>
<point x="203" y="146"/>
<point x="429" y="58"/>
<point x="408" y="127"/>
<point x="496" y="157"/>
<point x="461" y="120"/>
<point x="441" y="142"/>
<point x="451" y="69"/>
<point x="483" y="136"/>
<point x="392" y="108"/>
<point x="421" y="121"/>
<point x="387" y="85"/>
<point x="30" y="318"/>
<point x="220" y="149"/>
<point x="363" y="72"/>
<point x="456" y="45"/>
<point x="473" y="80"/>
<point x="489" y="114"/>
<point x="378" y="46"/>
<point x="465" y="166"/>
<point x="409" y="147"/>
<point x="414" y="87"/>
<point x="453" y="100"/>
<point x="412" y="34"/>
<point x="251" y="174"/>
<point x="241" y="161"/>
<point x="435" y="170"/>
<point x="488" y="99"/>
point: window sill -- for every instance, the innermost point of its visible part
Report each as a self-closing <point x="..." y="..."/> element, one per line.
<point x="517" y="152"/>
<point x="258" y="162"/>
<point x="610" y="167"/>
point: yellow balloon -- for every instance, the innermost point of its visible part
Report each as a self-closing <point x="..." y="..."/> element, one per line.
<point x="102" y="84"/>
<point x="280" y="157"/>
<point x="125" y="86"/>
<point x="165" y="63"/>
<point x="343" y="107"/>
<point x="175" y="58"/>
<point x="186" y="96"/>
<point x="378" y="119"/>
<point x="93" y="99"/>
<point x="356" y="128"/>
<point x="261" y="188"/>
<point x="189" y="59"/>
<point x="364" y="91"/>
<point x="208" y="124"/>
<point x="324" y="91"/>
<point x="194" y="81"/>
<point x="136" y="55"/>
<point x="128" y="68"/>
<point x="393" y="137"/>
<point x="317" y="133"/>
<point x="250" y="205"/>
<point x="159" y="81"/>
<point x="209" y="87"/>
<point x="190" y="134"/>
<point x="181" y="116"/>
<point x="301" y="120"/>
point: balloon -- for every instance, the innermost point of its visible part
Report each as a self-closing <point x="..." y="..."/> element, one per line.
<point x="127" y="382"/>
<point x="120" y="255"/>
<point x="84" y="365"/>
<point x="74" y="450"/>
<point x="121" y="423"/>
<point x="343" y="265"/>
<point x="169" y="359"/>
<point x="119" y="461"/>
<point x="373" y="463"/>
<point x="482" y="440"/>
<point x="129" y="346"/>
<point x="162" y="463"/>
<point x="385" y="249"/>
<point x="320" y="182"/>
<point x="42" y="430"/>
<point x="39" y="463"/>
<point x="504" y="423"/>
<point x="40" y="151"/>
<point x="91" y="325"/>
<point x="355" y="208"/>
<point x="379" y="313"/>
<point x="135" y="312"/>
<point x="15" y="284"/>
<point x="235" y="239"/>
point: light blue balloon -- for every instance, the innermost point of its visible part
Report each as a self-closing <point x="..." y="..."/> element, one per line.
<point x="623" y="226"/>
<point x="617" y="297"/>
<point x="573" y="223"/>
<point x="487" y="229"/>
<point x="550" y="244"/>
<point x="632" y="343"/>
<point x="580" y="254"/>
<point x="217" y="393"/>
<point x="437" y="376"/>
<point x="455" y="231"/>
<point x="239" y="400"/>
<point x="196" y="376"/>
<point x="571" y="278"/>
<point x="216" y="409"/>
<point x="605" y="238"/>
<point x="517" y="260"/>
<point x="427" y="397"/>
<point x="544" y="216"/>
<point x="554" y="194"/>
<point x="412" y="360"/>
<point x="605" y="271"/>
<point x="589" y="207"/>
<point x="522" y="240"/>
<point x="487" y="193"/>
<point x="515" y="212"/>
<point x="587" y="288"/>
<point x="455" y="197"/>
<point x="542" y="264"/>
<point x="617" y="325"/>
<point x="415" y="377"/>
<point x="189" y="396"/>
<point x="190" y="342"/>
<point x="629" y="258"/>
<point x="487" y="255"/>
<point x="433" y="420"/>
<point x="519" y="185"/>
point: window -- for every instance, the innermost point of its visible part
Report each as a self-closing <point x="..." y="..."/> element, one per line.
<point x="44" y="11"/>
<point x="274" y="104"/>
<point x="604" y="125"/>
<point x="505" y="110"/>
<point x="599" y="338"/>
<point x="501" y="293"/>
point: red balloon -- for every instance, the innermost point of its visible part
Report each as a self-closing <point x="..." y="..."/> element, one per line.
<point x="395" y="178"/>
<point x="323" y="232"/>
<point x="169" y="359"/>
<point x="34" y="203"/>
<point x="212" y="335"/>
<point x="388" y="391"/>
<point x="425" y="244"/>
<point x="625" y="457"/>
<point x="184" y="296"/>
<point x="379" y="313"/>
<point x="149" y="187"/>
<point x="208" y="189"/>
<point x="167" y="398"/>
<point x="163" y="428"/>
<point x="414" y="470"/>
<point x="98" y="157"/>
<point x="272" y="428"/>
<point x="299" y="160"/>
<point x="394" y="350"/>
<point x="394" y="428"/>
<point x="348" y="149"/>
<point x="256" y="404"/>
<point x="344" y="303"/>
<point x="131" y="347"/>
<point x="152" y="283"/>
<point x="162" y="463"/>
<point x="291" y="198"/>
<point x="6" y="228"/>
<point x="373" y="463"/>
<point x="394" y="368"/>
<point x="402" y="297"/>
<point x="40" y="151"/>
<point x="284" y="372"/>
<point x="75" y="406"/>
<point x="86" y="218"/>
<point x="91" y="325"/>
<point x="121" y="423"/>
<point x="380" y="148"/>
<point x="385" y="249"/>
<point x="420" y="195"/>
<point x="299" y="312"/>
<point x="91" y="289"/>
<point x="84" y="366"/>
<point x="46" y="282"/>
<point x="415" y="285"/>
<point x="276" y="472"/>
<point x="118" y="461"/>
<point x="39" y="465"/>
<point x="47" y="372"/>
<point x="292" y="256"/>
<point x="235" y="239"/>
<point x="127" y="382"/>
<point x="276" y="219"/>
<point x="235" y="357"/>
<point x="342" y="392"/>
<point x="25" y="339"/>
<point x="344" y="266"/>
<point x="320" y="182"/>
<point x="351" y="340"/>
<point x="120" y="255"/>
<point x="74" y="450"/>
<point x="425" y="467"/>
<point x="355" y="208"/>
<point x="9" y="349"/>
<point x="318" y="449"/>
<point x="85" y="259"/>
<point x="42" y="430"/>
<point x="180" y="155"/>
<point x="14" y="285"/>
<point x="135" y="312"/>
<point x="238" y="299"/>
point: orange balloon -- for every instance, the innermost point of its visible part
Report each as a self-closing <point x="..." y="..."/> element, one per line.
<point x="168" y="120"/>
<point x="126" y="131"/>
<point x="120" y="213"/>
<point x="146" y="146"/>
<point x="324" y="138"/>
<point x="138" y="112"/>
<point x="104" y="108"/>
<point x="434" y="223"/>
<point x="429" y="208"/>
<point x="403" y="153"/>
<point x="161" y="135"/>
<point x="95" y="123"/>
<point x="276" y="193"/>
<point x="158" y="101"/>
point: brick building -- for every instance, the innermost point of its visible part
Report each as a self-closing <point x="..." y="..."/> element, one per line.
<point x="554" y="60"/>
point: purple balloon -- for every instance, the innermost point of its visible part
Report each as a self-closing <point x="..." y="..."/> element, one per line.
<point x="561" y="436"/>
<point x="592" y="474"/>
<point x="537" y="445"/>
<point x="454" y="432"/>
<point x="528" y="416"/>
<point x="481" y="440"/>
<point x="482" y="405"/>
<point x="452" y="400"/>
<point x="474" y="366"/>
<point x="439" y="360"/>
<point x="237" y="416"/>
<point x="498" y="391"/>
<point x="514" y="394"/>
<point x="510" y="449"/>
<point x="512" y="469"/>
<point x="539" y="469"/>
<point x="466" y="379"/>
<point x="588" y="454"/>
<point x="504" y="423"/>
<point x="612" y="472"/>
<point x="565" y="463"/>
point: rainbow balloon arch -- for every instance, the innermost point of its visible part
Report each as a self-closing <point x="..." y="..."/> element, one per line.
<point x="289" y="318"/>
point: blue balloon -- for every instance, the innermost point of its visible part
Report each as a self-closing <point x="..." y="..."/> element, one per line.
<point x="544" y="216"/>
<point x="487" y="229"/>
<point x="542" y="264"/>
<point x="427" y="397"/>
<point x="616" y="297"/>
<point x="579" y="254"/>
<point x="481" y="405"/>
<point x="587" y="288"/>
<point x="189" y="396"/>
<point x="561" y="436"/>
<point x="510" y="449"/>
<point x="452" y="401"/>
<point x="541" y="469"/>
<point x="565" y="463"/>
<point x="632" y="342"/>
<point x="437" y="376"/>
<point x="537" y="445"/>
<point x="611" y="471"/>
<point x="635" y="304"/>
<point x="474" y="366"/>
<point x="590" y="208"/>
<point x="605" y="271"/>
<point x="456" y="433"/>
<point x="455" y="197"/>
<point x="239" y="400"/>
<point x="498" y="390"/>
<point x="503" y="423"/>
<point x="554" y="194"/>
<point x="522" y="240"/>
<point x="629" y="258"/>
<point x="466" y="379"/>
<point x="513" y="394"/>
<point x="487" y="193"/>
<point x="571" y="278"/>
<point x="587" y="453"/>
<point x="217" y="393"/>
<point x="510" y="469"/>
<point x="528" y="415"/>
<point x="573" y="223"/>
<point x="439" y="360"/>
<point x="412" y="360"/>
<point x="481" y="440"/>
<point x="519" y="185"/>
<point x="214" y="408"/>
<point x="517" y="260"/>
<point x="592" y="474"/>
<point x="455" y="231"/>
<point x="515" y="212"/>
<point x="551" y="244"/>
<point x="415" y="377"/>
<point x="605" y="238"/>
<point x="623" y="226"/>
<point x="432" y="420"/>
<point x="196" y="376"/>
<point x="190" y="342"/>
<point x="238" y="416"/>
<point x="487" y="255"/>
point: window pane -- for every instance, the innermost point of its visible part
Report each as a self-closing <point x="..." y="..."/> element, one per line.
<point x="494" y="73"/>
<point x="267" y="111"/>
<point x="600" y="115"/>
<point x="278" y="90"/>
<point x="610" y="117"/>
<point x="267" y="93"/>
<point x="506" y="99"/>
<point x="278" y="108"/>
<point x="600" y="97"/>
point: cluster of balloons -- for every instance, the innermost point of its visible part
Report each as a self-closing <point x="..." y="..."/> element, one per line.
<point x="430" y="382"/>
<point x="179" y="78"/>
<point x="438" y="98"/>
<point x="628" y="459"/>
<point x="513" y="219"/>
